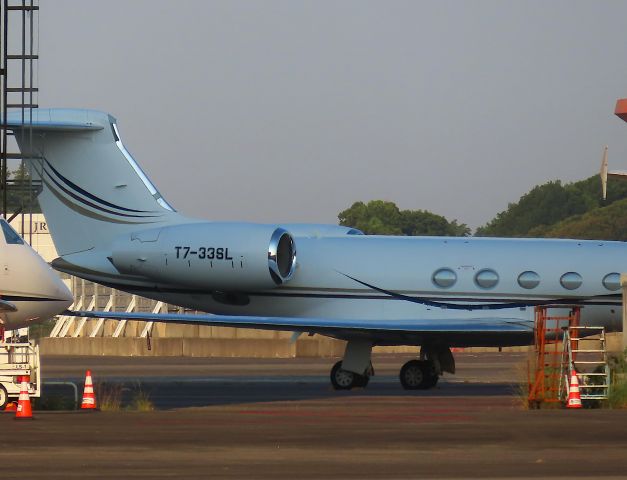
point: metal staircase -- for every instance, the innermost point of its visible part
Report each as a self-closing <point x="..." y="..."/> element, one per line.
<point x="545" y="372"/>
<point x="585" y="352"/>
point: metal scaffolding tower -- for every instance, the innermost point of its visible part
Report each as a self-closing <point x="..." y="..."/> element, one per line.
<point x="19" y="42"/>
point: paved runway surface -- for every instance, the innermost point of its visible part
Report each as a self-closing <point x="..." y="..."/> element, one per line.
<point x="233" y="418"/>
<point x="194" y="382"/>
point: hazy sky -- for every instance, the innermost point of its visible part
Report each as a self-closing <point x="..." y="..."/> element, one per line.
<point x="292" y="110"/>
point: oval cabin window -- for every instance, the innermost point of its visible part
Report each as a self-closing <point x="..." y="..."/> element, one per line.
<point x="486" y="278"/>
<point x="529" y="280"/>
<point x="612" y="281"/>
<point x="444" y="278"/>
<point x="571" y="280"/>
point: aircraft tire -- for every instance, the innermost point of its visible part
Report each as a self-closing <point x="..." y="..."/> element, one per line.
<point x="4" y="397"/>
<point x="433" y="380"/>
<point x="417" y="375"/>
<point x="342" y="379"/>
<point x="361" y="381"/>
<point x="345" y="380"/>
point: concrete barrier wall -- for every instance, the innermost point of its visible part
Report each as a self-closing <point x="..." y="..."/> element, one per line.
<point x="316" y="346"/>
<point x="211" y="347"/>
<point x="193" y="347"/>
<point x="313" y="347"/>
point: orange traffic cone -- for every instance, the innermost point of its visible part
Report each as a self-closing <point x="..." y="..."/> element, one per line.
<point x="574" y="398"/>
<point x="11" y="407"/>
<point x="89" y="399"/>
<point x="24" y="409"/>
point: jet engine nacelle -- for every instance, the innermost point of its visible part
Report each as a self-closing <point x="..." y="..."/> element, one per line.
<point x="211" y="256"/>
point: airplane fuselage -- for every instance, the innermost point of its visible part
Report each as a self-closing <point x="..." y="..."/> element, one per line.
<point x="399" y="279"/>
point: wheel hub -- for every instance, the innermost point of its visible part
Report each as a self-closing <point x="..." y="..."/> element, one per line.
<point x="413" y="376"/>
<point x="344" y="378"/>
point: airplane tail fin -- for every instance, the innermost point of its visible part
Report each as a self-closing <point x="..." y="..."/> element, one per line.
<point x="93" y="189"/>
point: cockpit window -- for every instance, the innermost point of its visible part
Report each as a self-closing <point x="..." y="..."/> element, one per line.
<point x="10" y="235"/>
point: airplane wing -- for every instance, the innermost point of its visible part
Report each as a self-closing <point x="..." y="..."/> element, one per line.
<point x="7" y="306"/>
<point x="457" y="331"/>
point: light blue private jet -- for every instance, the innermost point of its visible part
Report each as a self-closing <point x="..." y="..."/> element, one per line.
<point x="111" y="225"/>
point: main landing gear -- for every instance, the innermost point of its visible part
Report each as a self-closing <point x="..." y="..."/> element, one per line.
<point x="419" y="374"/>
<point x="415" y="375"/>
<point x="345" y="380"/>
<point x="424" y="373"/>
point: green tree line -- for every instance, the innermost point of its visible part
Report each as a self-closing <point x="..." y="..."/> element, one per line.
<point x="380" y="217"/>
<point x="572" y="210"/>
<point x="553" y="209"/>
<point x="550" y="203"/>
<point x="604" y="223"/>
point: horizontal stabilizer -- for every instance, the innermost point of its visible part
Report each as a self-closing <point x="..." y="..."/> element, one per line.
<point x="61" y="120"/>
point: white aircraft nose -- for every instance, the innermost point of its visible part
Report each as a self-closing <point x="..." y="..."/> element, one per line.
<point x="33" y="287"/>
<point x="62" y="293"/>
<point x="56" y="296"/>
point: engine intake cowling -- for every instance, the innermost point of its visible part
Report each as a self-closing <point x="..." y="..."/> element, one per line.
<point x="209" y="256"/>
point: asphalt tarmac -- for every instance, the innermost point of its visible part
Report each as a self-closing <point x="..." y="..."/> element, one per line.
<point x="234" y="418"/>
<point x="176" y="382"/>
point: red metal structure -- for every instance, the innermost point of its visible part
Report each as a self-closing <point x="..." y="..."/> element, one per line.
<point x="621" y="109"/>
<point x="544" y="373"/>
